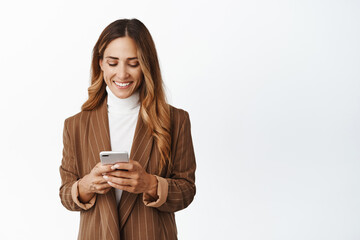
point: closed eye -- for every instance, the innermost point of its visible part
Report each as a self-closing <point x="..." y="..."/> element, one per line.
<point x="134" y="65"/>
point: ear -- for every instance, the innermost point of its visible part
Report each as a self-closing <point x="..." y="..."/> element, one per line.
<point x="101" y="64"/>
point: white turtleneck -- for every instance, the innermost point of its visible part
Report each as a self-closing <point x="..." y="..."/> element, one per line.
<point x="123" y="115"/>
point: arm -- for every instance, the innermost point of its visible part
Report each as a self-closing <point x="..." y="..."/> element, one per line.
<point x="177" y="191"/>
<point x="69" y="189"/>
<point x="79" y="194"/>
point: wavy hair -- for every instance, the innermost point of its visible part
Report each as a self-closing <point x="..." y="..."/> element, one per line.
<point x="154" y="110"/>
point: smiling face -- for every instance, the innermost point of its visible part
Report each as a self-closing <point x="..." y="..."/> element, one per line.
<point x="121" y="67"/>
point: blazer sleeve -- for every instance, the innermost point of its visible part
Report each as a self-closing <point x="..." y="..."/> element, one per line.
<point x="69" y="176"/>
<point x="181" y="184"/>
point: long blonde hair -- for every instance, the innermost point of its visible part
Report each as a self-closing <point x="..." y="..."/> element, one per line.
<point x="154" y="110"/>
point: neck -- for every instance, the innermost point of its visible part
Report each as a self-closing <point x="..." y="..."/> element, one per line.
<point x="122" y="105"/>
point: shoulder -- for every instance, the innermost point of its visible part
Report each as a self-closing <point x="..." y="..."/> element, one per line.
<point x="178" y="114"/>
<point x="77" y="117"/>
<point x="77" y="120"/>
<point x="82" y="119"/>
<point x="179" y="119"/>
<point x="180" y="127"/>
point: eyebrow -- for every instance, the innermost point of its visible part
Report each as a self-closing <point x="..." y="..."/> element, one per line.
<point x="116" y="58"/>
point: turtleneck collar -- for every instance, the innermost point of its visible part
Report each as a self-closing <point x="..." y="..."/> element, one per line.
<point x="120" y="105"/>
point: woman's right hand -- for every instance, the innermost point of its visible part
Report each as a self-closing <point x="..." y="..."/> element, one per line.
<point x="94" y="182"/>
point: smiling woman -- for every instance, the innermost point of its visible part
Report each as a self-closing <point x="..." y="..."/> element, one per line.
<point x="127" y="111"/>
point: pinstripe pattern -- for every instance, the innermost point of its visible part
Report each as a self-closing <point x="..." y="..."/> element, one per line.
<point x="85" y="135"/>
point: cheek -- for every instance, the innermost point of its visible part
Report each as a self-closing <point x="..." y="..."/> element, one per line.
<point x="138" y="75"/>
<point x="108" y="73"/>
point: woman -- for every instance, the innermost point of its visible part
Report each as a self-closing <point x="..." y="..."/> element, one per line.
<point x="126" y="111"/>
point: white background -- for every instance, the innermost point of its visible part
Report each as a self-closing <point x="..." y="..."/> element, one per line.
<point x="272" y="89"/>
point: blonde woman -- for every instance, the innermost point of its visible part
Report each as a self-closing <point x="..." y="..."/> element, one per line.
<point x="127" y="111"/>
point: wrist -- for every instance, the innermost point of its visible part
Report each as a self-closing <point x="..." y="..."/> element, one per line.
<point x="152" y="188"/>
<point x="84" y="194"/>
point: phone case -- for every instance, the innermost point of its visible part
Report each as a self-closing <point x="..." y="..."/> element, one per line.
<point x="110" y="157"/>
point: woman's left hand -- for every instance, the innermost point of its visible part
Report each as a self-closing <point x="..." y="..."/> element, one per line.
<point x="134" y="180"/>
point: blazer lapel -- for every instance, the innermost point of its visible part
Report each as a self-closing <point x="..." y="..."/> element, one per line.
<point x="99" y="137"/>
<point x="140" y="151"/>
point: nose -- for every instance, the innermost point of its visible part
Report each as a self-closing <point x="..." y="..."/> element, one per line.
<point x="121" y="72"/>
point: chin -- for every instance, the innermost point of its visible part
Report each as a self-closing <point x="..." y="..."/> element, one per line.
<point x="122" y="94"/>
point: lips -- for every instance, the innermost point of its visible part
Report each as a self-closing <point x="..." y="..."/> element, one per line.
<point x="122" y="85"/>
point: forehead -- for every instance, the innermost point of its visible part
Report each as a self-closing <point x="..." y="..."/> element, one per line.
<point x="123" y="47"/>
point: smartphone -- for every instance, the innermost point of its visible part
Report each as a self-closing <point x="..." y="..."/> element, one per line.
<point x="110" y="157"/>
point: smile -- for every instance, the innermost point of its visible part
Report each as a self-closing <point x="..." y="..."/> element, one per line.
<point x="122" y="84"/>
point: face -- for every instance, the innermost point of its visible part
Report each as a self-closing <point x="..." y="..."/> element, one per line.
<point x="121" y="68"/>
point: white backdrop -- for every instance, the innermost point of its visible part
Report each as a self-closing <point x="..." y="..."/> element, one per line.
<point x="272" y="89"/>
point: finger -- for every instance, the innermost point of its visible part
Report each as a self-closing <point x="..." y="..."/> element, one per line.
<point x="104" y="191"/>
<point x="122" y="187"/>
<point x="102" y="169"/>
<point x="99" y="180"/>
<point x="120" y="173"/>
<point x="102" y="186"/>
<point x="99" y="188"/>
<point x="119" y="181"/>
<point x="130" y="166"/>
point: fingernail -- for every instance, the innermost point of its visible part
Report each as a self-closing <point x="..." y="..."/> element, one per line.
<point x="106" y="177"/>
<point x="114" y="167"/>
<point x="109" y="183"/>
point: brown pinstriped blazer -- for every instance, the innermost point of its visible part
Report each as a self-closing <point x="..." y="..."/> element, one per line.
<point x="86" y="134"/>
